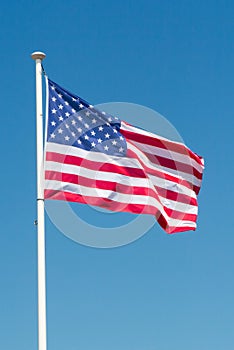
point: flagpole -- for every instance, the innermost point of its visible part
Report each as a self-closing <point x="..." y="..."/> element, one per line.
<point x="42" y="338"/>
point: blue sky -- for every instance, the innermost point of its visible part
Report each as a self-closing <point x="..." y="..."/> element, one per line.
<point x="161" y="292"/>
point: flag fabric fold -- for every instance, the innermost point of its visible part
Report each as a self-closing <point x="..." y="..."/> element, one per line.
<point x="94" y="158"/>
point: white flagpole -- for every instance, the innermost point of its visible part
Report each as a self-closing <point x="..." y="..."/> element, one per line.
<point x="42" y="341"/>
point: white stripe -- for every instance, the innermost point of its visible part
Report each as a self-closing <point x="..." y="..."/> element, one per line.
<point x="73" y="169"/>
<point x="119" y="161"/>
<point x="90" y="155"/>
<point x="119" y="178"/>
<point x="123" y="180"/>
<point x="102" y="193"/>
<point x="176" y="157"/>
<point x="116" y="197"/>
<point x="188" y="177"/>
<point x="96" y="174"/>
<point x="178" y="174"/>
<point x="151" y="182"/>
<point x="138" y="131"/>
<point x="172" y="186"/>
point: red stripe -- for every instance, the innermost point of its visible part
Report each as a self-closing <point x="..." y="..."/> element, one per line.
<point x="115" y="206"/>
<point x="178" y="215"/>
<point x="162" y="174"/>
<point x="100" y="184"/>
<point x="172" y="164"/>
<point x="171" y="229"/>
<point x="94" y="165"/>
<point x="100" y="202"/>
<point x="127" y="171"/>
<point x="120" y="188"/>
<point x="107" y="167"/>
<point x="164" y="144"/>
<point x="176" y="196"/>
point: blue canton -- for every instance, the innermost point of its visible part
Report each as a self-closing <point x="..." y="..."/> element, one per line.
<point x="73" y="121"/>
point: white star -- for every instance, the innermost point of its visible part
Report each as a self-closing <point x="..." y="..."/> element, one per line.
<point x="60" y="106"/>
<point x="53" y="123"/>
<point x="54" y="99"/>
<point x="107" y="136"/>
<point x="79" y="142"/>
<point x="52" y="88"/>
<point x="87" y="126"/>
<point x="80" y="105"/>
<point x="110" y="119"/>
<point x="59" y="95"/>
<point x="86" y="137"/>
<point x="100" y="128"/>
<point x="66" y="103"/>
<point x="121" y="138"/>
<point x="73" y="110"/>
<point x="87" y="113"/>
<point x="103" y="113"/>
<point x="79" y="117"/>
<point x="93" y="133"/>
<point x="79" y="129"/>
<point x="73" y="122"/>
<point x="106" y="148"/>
<point x="99" y="140"/>
<point x="67" y="138"/>
<point x="108" y="124"/>
<point x="114" y="143"/>
<point x="121" y="149"/>
<point x="61" y="118"/>
<point x="73" y="134"/>
<point x="94" y="121"/>
<point x="93" y="144"/>
<point x="67" y="114"/>
<point x="73" y="99"/>
<point x="53" y="111"/>
<point x="67" y="126"/>
<point x="115" y="131"/>
<point x="60" y="131"/>
<point x="91" y="106"/>
<point x="116" y="118"/>
<point x="52" y="135"/>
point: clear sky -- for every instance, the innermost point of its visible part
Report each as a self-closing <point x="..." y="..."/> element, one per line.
<point x="161" y="292"/>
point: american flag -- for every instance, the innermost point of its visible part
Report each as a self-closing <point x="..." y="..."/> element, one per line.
<point x="94" y="158"/>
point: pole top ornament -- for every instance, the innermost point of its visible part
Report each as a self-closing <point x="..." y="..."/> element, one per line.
<point x="37" y="55"/>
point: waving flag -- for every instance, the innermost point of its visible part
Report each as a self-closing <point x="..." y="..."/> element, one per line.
<point x="94" y="158"/>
